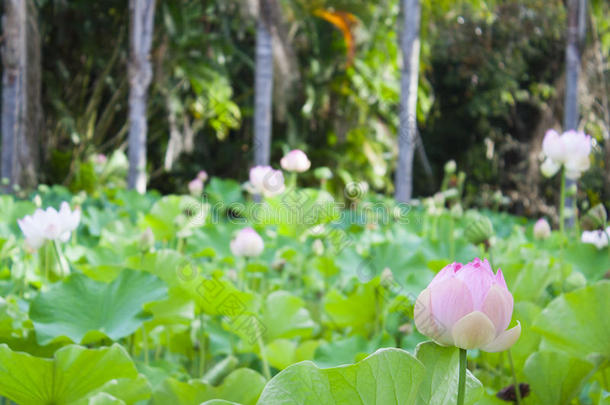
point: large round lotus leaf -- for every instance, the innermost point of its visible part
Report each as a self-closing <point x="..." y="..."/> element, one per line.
<point x="10" y="211"/>
<point x="120" y="390"/>
<point x="440" y="383"/>
<point x="213" y="294"/>
<point x="103" y="399"/>
<point x="169" y="265"/>
<point x="282" y="353"/>
<point x="85" y="310"/>
<point x="589" y="260"/>
<point x="348" y="350"/>
<point x="285" y="316"/>
<point x="71" y="376"/>
<point x="388" y="377"/>
<point x="173" y="214"/>
<point x="242" y="386"/>
<point x="555" y="378"/>
<point x="356" y="310"/>
<point x="578" y="322"/>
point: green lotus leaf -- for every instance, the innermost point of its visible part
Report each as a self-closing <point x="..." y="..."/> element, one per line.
<point x="578" y="322"/>
<point x="70" y="376"/>
<point x="357" y="310"/>
<point x="348" y="350"/>
<point x="440" y="384"/>
<point x="282" y="353"/>
<point x="103" y="398"/>
<point x="285" y="316"/>
<point x="85" y="310"/>
<point x="212" y="240"/>
<point x="174" y="214"/>
<point x="125" y="390"/>
<point x="389" y="377"/>
<point x="555" y="378"/>
<point x="589" y="260"/>
<point x="242" y="386"/>
<point x="222" y="193"/>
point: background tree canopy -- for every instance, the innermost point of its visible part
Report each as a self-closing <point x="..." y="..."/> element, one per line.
<point x="491" y="82"/>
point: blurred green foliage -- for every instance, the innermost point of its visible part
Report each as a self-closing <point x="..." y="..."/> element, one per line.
<point x="488" y="71"/>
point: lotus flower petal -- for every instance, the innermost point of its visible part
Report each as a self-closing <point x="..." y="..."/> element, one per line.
<point x="425" y="321"/>
<point x="247" y="243"/>
<point x="473" y="331"/>
<point x="450" y="300"/>
<point x="505" y="340"/>
<point x="446" y="272"/>
<point x="295" y="161"/>
<point x="49" y="224"/>
<point x="266" y="181"/>
<point x="478" y="278"/>
<point x="466" y="306"/>
<point x="498" y="306"/>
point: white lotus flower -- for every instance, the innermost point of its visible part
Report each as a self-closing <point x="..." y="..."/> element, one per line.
<point x="577" y="143"/>
<point x="553" y="146"/>
<point x="570" y="149"/>
<point x="49" y="224"/>
<point x="266" y="181"/>
<point x="295" y="161"/>
<point x="598" y="238"/>
<point x="247" y="243"/>
<point x="542" y="229"/>
<point x="577" y="166"/>
<point x="195" y="187"/>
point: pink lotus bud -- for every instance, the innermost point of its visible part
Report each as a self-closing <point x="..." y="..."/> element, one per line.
<point x="469" y="307"/>
<point x="195" y="187"/>
<point x="266" y="181"/>
<point x="247" y="243"/>
<point x="542" y="229"/>
<point x="100" y="159"/>
<point x="295" y="161"/>
<point x="202" y="175"/>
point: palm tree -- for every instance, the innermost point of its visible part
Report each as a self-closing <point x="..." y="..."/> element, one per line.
<point x="577" y="23"/>
<point x="21" y="97"/>
<point x="263" y="86"/>
<point x="408" y="99"/>
<point x="142" y="15"/>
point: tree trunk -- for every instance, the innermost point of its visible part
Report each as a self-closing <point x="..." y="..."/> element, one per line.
<point x="408" y="99"/>
<point x="425" y="162"/>
<point x="21" y="105"/>
<point x="142" y="16"/>
<point x="263" y="89"/>
<point x="575" y="37"/>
